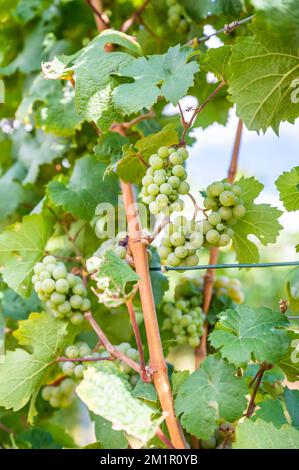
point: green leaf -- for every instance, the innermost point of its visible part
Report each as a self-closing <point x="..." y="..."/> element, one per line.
<point x="291" y="398"/>
<point x="94" y="69"/>
<point x="209" y="394"/>
<point x="205" y="8"/>
<point x="290" y="361"/>
<point x="17" y="307"/>
<point x="261" y="435"/>
<point x="177" y="379"/>
<point x="11" y="195"/>
<point x="22" y="245"/>
<point x="245" y="333"/>
<point x="38" y="439"/>
<point x="264" y="91"/>
<point x="271" y="411"/>
<point x="23" y="373"/>
<point x="260" y="220"/>
<point x="292" y="289"/>
<point x="109" y="147"/>
<point x="117" y="271"/>
<point x="33" y="151"/>
<point x="29" y="9"/>
<point x="215" y="60"/>
<point x="106" y="435"/>
<point x="86" y="189"/>
<point x="106" y="393"/>
<point x="131" y="168"/>
<point x="288" y="187"/>
<point x="165" y="75"/>
<point x="145" y="391"/>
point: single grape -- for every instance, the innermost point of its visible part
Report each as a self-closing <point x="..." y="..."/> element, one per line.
<point x="177" y="239"/>
<point x="47" y="393"/>
<point x="194" y="341"/>
<point x="62" y="286"/>
<point x="227" y="198"/>
<point x="48" y="286"/>
<point x="163" y="251"/>
<point x="156" y="162"/>
<point x="162" y="200"/>
<point x="153" y="189"/>
<point x="183" y="152"/>
<point x="196" y="240"/>
<point x="154" y="208"/>
<point x="54" y="402"/>
<point x="176" y="159"/>
<point x="68" y="367"/>
<point x="76" y="301"/>
<point x="72" y="279"/>
<point x="72" y="352"/>
<point x="179" y="171"/>
<point x="212" y="236"/>
<point x="178" y="205"/>
<point x="210" y="203"/>
<point x="214" y="218"/>
<point x="147" y="180"/>
<point x="159" y="179"/>
<point x="85" y="305"/>
<point x="57" y="298"/>
<point x="76" y="318"/>
<point x="173" y="260"/>
<point x="215" y="189"/>
<point x="181" y="252"/>
<point x="163" y="152"/>
<point x="59" y="272"/>
<point x="78" y="371"/>
<point x="67" y="386"/>
<point x="120" y="251"/>
<point x="166" y="188"/>
<point x="225" y="213"/>
<point x="239" y="211"/>
<point x="224" y="239"/>
<point x="44" y="275"/>
<point x="38" y="268"/>
<point x="236" y="189"/>
<point x="49" y="260"/>
<point x="192" y="260"/>
<point x="184" y="188"/>
<point x="84" y="349"/>
<point x="174" y="181"/>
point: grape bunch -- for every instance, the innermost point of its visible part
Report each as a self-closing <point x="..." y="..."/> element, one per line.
<point x="231" y="288"/>
<point x="224" y="202"/>
<point x="77" y="350"/>
<point x="63" y="292"/>
<point x="118" y="245"/>
<point x="177" y="16"/>
<point x="61" y="395"/>
<point x="181" y="240"/>
<point x="133" y="354"/>
<point x="184" y="316"/>
<point x="164" y="181"/>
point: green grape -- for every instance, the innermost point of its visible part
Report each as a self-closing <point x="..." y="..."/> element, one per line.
<point x="196" y="240"/>
<point x="48" y="286"/>
<point x="206" y="226"/>
<point x="54" y="402"/>
<point x="156" y="162"/>
<point x="147" y="180"/>
<point x="183" y="26"/>
<point x="239" y="211"/>
<point x="163" y="152"/>
<point x="178" y="205"/>
<point x="230" y="232"/>
<point x="85" y="305"/>
<point x="67" y="386"/>
<point x="177" y="239"/>
<point x="179" y="171"/>
<point x="49" y="260"/>
<point x="38" y="268"/>
<point x="162" y="200"/>
<point x="78" y="371"/>
<point x="192" y="260"/>
<point x="183" y="152"/>
<point x="220" y="227"/>
<point x="51" y="267"/>
<point x="210" y="203"/>
<point x="154" y="208"/>
<point x="173" y="260"/>
<point x="153" y="189"/>
<point x="166" y="188"/>
<point x="76" y="301"/>
<point x="76" y="318"/>
<point x="57" y="298"/>
<point x="47" y="393"/>
<point x="174" y="181"/>
<point x="62" y="286"/>
<point x="224" y="239"/>
<point x="44" y="275"/>
<point x="64" y="308"/>
<point x="214" y="218"/>
<point x="59" y="272"/>
<point x="159" y="179"/>
<point x="163" y="251"/>
<point x="184" y="188"/>
<point x="227" y="198"/>
<point x="72" y="352"/>
<point x="212" y="236"/>
<point x="236" y="189"/>
<point x="84" y="349"/>
<point x="181" y="252"/>
<point x="215" y="189"/>
<point x="225" y="213"/>
<point x="72" y="279"/>
<point x="194" y="341"/>
<point x="68" y="367"/>
<point x="176" y="159"/>
<point x="175" y="9"/>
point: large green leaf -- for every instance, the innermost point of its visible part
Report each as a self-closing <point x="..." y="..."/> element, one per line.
<point x="262" y="435"/>
<point x="291" y="398"/>
<point x="263" y="92"/>
<point x="245" y="333"/>
<point x="23" y="373"/>
<point x="216" y="61"/>
<point x="165" y="75"/>
<point x="288" y="187"/>
<point x="11" y="194"/>
<point x="260" y="220"/>
<point x="209" y="394"/>
<point x="22" y="245"/>
<point x="106" y="393"/>
<point x="94" y="68"/>
<point x="271" y="411"/>
<point x="86" y="189"/>
<point x="106" y="435"/>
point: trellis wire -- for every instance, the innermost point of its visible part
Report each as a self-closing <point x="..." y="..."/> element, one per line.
<point x="225" y="266"/>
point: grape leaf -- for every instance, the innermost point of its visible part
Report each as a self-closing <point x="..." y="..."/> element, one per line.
<point x="132" y="167"/>
<point x="117" y="271"/>
<point x="23" y="373"/>
<point x="263" y="92"/>
<point x="37" y="438"/>
<point x="291" y="398"/>
<point x="292" y="289"/>
<point x="209" y="394"/>
<point x="145" y="391"/>
<point x="271" y="411"/>
<point x="245" y="333"/>
<point x="86" y="189"/>
<point x="109" y="147"/>
<point x="288" y="187"/>
<point x="106" y="435"/>
<point x="289" y="363"/>
<point x="106" y="393"/>
<point x="33" y="151"/>
<point x="215" y="60"/>
<point x="22" y="245"/>
<point x="261" y="435"/>
<point x="11" y="195"/>
<point x="165" y="75"/>
<point x="27" y="10"/>
<point x="94" y="82"/>
<point x="205" y="8"/>
<point x="260" y="220"/>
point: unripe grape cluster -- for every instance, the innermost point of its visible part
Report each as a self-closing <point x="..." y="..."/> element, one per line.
<point x="61" y="395"/>
<point x="63" y="292"/>
<point x="164" y="181"/>
<point x="177" y="16"/>
<point x="231" y="288"/>
<point x="184" y="316"/>
<point x="76" y="369"/>
<point x="133" y="354"/>
<point x="181" y="240"/>
<point x="224" y="202"/>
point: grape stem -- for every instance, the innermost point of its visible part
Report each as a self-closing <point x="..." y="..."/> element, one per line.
<point x="127" y="125"/>
<point x="197" y="209"/>
<point x="101" y="19"/>
<point x="227" y="29"/>
<point x="165" y="221"/>
<point x="201" y="350"/>
<point x="144" y="372"/>
<point x="160" y="434"/>
<point x="107" y="345"/>
<point x="188" y="124"/>
<point x="257" y="380"/>
<point x="133" y="18"/>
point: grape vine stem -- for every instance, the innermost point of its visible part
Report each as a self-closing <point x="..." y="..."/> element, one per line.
<point x="130" y="21"/>
<point x="257" y="380"/>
